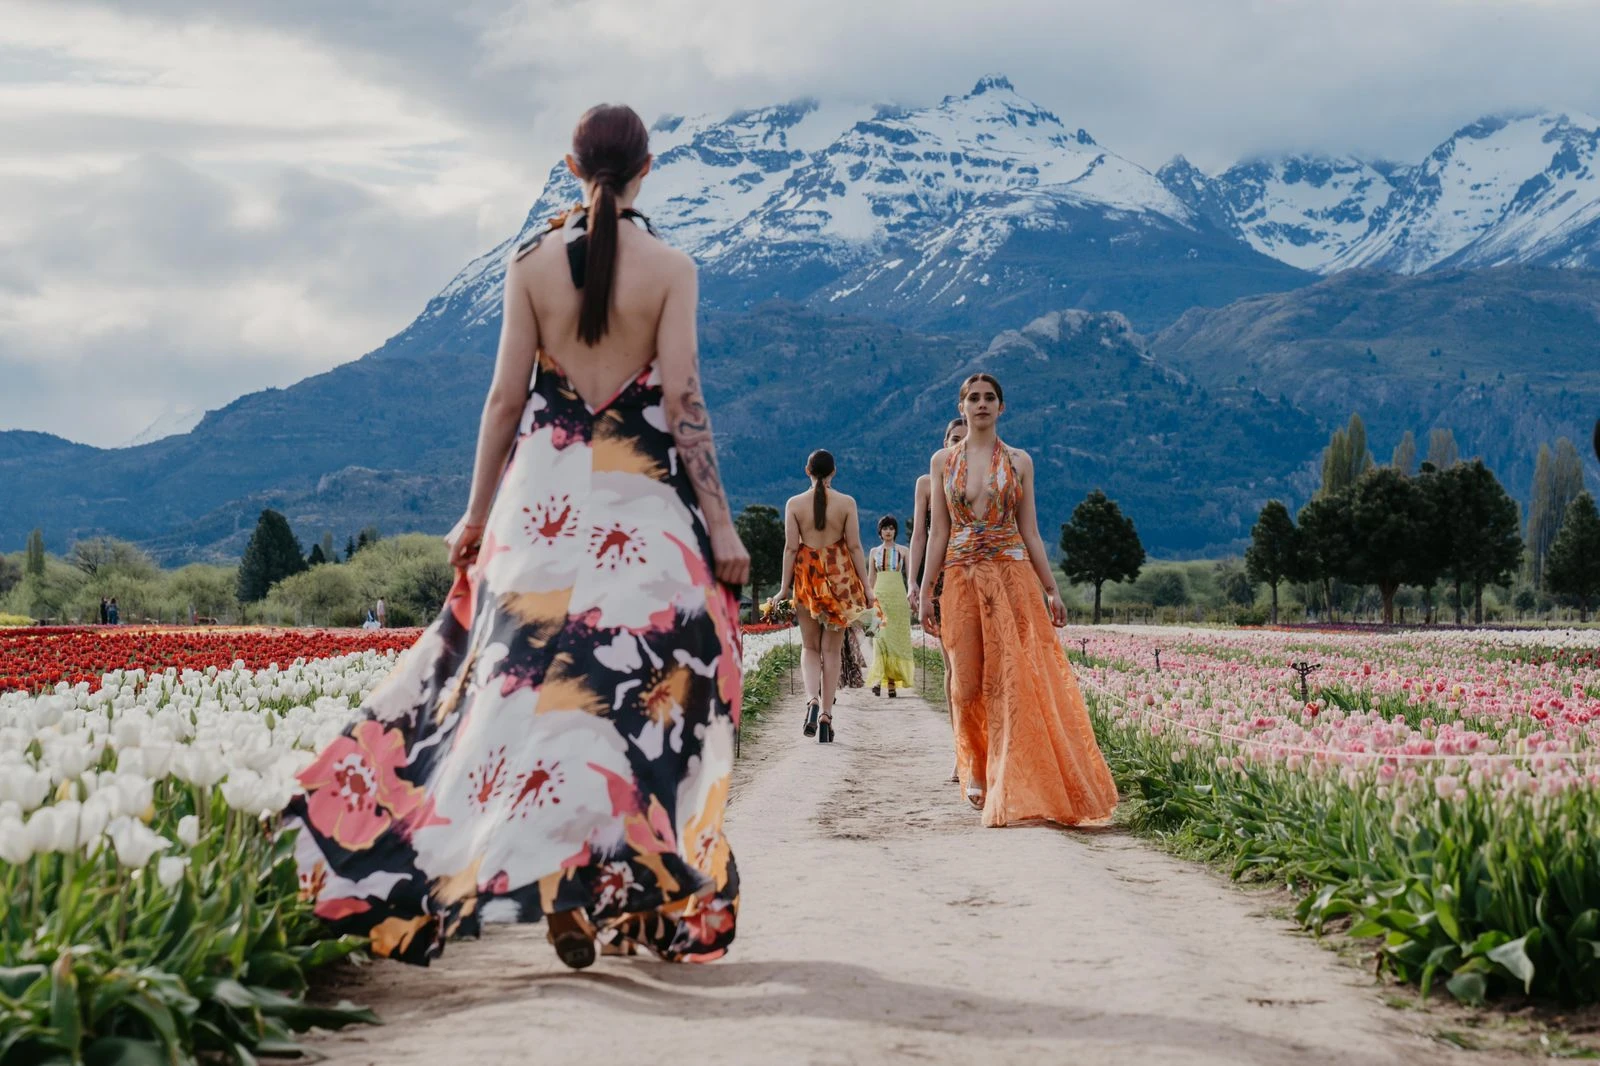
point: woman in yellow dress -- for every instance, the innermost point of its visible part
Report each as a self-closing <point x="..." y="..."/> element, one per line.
<point x="1025" y="748"/>
<point x="886" y="573"/>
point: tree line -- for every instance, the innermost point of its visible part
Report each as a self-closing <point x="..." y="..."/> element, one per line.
<point x="275" y="580"/>
<point x="1448" y="520"/>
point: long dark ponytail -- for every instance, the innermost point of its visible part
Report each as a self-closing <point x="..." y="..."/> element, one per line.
<point x="820" y="466"/>
<point x="610" y="146"/>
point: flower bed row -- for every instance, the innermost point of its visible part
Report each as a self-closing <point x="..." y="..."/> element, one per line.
<point x="150" y="915"/>
<point x="1441" y="792"/>
<point x="39" y="658"/>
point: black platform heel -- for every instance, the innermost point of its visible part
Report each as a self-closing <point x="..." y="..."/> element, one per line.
<point x="572" y="938"/>
<point x="813" y="708"/>
<point x="825" y="730"/>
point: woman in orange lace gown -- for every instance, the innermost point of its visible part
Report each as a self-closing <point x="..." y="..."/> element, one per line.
<point x="1025" y="749"/>
<point x="824" y="567"/>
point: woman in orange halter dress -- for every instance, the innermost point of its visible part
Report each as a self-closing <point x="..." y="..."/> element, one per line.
<point x="1025" y="749"/>
<point x="824" y="567"/>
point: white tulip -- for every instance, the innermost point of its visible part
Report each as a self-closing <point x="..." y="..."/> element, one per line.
<point x="42" y="830"/>
<point x="169" y="871"/>
<point x="189" y="830"/>
<point x="135" y="842"/>
<point x="16" y="843"/>
<point x="242" y="791"/>
<point x="199" y="766"/>
<point x="93" y="817"/>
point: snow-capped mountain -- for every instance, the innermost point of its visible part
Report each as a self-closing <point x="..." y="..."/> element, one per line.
<point x="1521" y="189"/>
<point x="916" y="211"/>
<point x="986" y="208"/>
<point x="1303" y="210"/>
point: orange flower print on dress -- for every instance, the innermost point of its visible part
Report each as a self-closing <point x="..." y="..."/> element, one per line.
<point x="827" y="586"/>
<point x="355" y="794"/>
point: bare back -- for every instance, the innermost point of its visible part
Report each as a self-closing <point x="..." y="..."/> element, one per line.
<point x="645" y="269"/>
<point x="841" y="519"/>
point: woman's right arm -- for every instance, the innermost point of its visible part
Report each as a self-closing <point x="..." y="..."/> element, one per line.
<point x="678" y="355"/>
<point x="791" y="548"/>
<point x="502" y="411"/>
<point x="852" y="533"/>
<point x="938" y="541"/>
<point x="919" y="541"/>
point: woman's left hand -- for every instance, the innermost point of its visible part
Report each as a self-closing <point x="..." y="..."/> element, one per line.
<point x="464" y="541"/>
<point x="1058" y="610"/>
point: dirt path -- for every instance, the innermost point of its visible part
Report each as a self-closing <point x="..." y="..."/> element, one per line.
<point x="881" y="924"/>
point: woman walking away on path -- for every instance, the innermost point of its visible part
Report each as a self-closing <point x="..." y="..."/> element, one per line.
<point x="557" y="744"/>
<point x="886" y="573"/>
<point x="823" y="566"/>
<point x="922" y="513"/>
<point x="1024" y="746"/>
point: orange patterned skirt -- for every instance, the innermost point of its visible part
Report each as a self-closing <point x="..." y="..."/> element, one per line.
<point x="826" y="585"/>
<point x="1021" y="724"/>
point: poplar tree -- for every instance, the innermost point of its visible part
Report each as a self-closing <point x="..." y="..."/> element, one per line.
<point x="1442" y="450"/>
<point x="1405" y="455"/>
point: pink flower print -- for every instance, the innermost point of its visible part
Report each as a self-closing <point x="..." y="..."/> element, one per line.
<point x="537" y="788"/>
<point x="354" y="791"/>
<point x="709" y="922"/>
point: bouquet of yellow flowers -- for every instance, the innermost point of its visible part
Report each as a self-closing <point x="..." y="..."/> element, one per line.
<point x="777" y="611"/>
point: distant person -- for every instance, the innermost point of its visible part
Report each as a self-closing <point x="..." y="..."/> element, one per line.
<point x="921" y="520"/>
<point x="113" y="616"/>
<point x="824" y="568"/>
<point x="892" y="663"/>
<point x="194" y="619"/>
<point x="105" y="610"/>
<point x="1025" y="747"/>
<point x="557" y="745"/>
<point x="371" y="621"/>
<point x="383" y="614"/>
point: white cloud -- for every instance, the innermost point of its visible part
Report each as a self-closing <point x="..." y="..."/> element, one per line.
<point x="202" y="198"/>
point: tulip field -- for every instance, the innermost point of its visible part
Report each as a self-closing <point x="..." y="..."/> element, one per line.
<point x="1439" y="791"/>
<point x="151" y="913"/>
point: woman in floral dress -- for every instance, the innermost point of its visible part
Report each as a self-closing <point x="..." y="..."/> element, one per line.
<point x="557" y="744"/>
<point x="824" y="567"/>
<point x="1025" y="747"/>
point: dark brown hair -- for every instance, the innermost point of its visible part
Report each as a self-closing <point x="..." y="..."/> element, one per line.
<point x="889" y="521"/>
<point x="1000" y="394"/>
<point x="820" y="466"/>
<point x="958" y="420"/>
<point x="610" y="146"/>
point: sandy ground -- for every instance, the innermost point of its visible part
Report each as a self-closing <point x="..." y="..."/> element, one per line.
<point x="880" y="923"/>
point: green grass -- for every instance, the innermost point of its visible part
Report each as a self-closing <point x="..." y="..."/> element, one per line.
<point x="763" y="685"/>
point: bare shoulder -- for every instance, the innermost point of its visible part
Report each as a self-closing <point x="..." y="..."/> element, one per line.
<point x="1022" y="460"/>
<point x="672" y="262"/>
<point x="940" y="459"/>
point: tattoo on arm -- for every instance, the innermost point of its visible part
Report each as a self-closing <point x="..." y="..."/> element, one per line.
<point x="692" y="432"/>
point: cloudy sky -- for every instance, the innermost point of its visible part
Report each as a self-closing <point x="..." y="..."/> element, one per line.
<point x="198" y="199"/>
